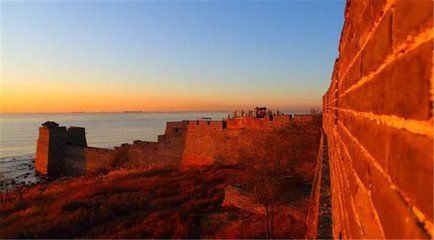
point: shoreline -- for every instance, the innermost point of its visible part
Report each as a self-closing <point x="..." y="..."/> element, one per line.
<point x="15" y="172"/>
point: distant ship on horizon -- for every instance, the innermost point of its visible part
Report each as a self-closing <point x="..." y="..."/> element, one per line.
<point x="133" y="111"/>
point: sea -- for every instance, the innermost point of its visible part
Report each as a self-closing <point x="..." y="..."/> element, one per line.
<point x="19" y="131"/>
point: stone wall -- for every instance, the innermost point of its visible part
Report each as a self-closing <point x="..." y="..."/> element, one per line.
<point x="378" y="120"/>
<point x="58" y="150"/>
<point x="247" y="137"/>
<point x="185" y="144"/>
<point x="42" y="146"/>
<point x="98" y="159"/>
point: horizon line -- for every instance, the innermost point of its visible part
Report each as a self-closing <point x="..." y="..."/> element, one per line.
<point x="140" y="111"/>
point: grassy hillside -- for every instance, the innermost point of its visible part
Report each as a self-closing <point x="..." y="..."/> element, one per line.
<point x="162" y="203"/>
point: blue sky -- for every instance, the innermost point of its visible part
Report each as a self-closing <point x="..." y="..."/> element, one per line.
<point x="167" y="55"/>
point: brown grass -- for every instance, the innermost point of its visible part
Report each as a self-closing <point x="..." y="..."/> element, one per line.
<point x="161" y="203"/>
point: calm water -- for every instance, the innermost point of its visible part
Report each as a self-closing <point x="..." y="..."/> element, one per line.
<point x="18" y="134"/>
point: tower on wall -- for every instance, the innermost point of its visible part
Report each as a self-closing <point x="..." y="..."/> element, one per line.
<point x="53" y="143"/>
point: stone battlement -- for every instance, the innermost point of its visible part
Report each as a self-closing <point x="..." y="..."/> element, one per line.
<point x="184" y="143"/>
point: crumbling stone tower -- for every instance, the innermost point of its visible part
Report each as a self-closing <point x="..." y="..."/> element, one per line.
<point x="54" y="143"/>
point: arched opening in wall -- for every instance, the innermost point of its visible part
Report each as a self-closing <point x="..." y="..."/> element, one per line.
<point x="68" y="143"/>
<point x="176" y="130"/>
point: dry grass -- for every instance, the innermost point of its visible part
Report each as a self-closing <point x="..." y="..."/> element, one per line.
<point x="162" y="203"/>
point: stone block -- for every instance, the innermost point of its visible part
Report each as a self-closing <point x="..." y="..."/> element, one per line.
<point x="372" y="136"/>
<point x="378" y="47"/>
<point x="353" y="76"/>
<point x="411" y="168"/>
<point x="373" y="11"/>
<point x="410" y="18"/>
<point x="395" y="215"/>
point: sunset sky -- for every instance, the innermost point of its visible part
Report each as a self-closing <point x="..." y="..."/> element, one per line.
<point x="166" y="56"/>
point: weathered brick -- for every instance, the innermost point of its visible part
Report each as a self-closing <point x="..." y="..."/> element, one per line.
<point x="353" y="76"/>
<point x="355" y="230"/>
<point x="411" y="168"/>
<point x="351" y="178"/>
<point x="355" y="11"/>
<point x="410" y="18"/>
<point x="409" y="83"/>
<point x="372" y="228"/>
<point x="404" y="152"/>
<point x="373" y="137"/>
<point x="342" y="166"/>
<point x="359" y="161"/>
<point x="395" y="216"/>
<point x="358" y="141"/>
<point x="378" y="47"/>
<point x="373" y="11"/>
<point x="391" y="92"/>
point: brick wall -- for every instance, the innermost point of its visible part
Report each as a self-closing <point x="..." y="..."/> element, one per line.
<point x="378" y="121"/>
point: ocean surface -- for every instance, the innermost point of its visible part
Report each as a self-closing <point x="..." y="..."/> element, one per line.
<point x="19" y="131"/>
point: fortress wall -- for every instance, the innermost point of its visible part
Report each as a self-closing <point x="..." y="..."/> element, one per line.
<point x="203" y="147"/>
<point x="232" y="146"/>
<point x="98" y="159"/>
<point x="174" y="128"/>
<point x="57" y="140"/>
<point x="281" y="121"/>
<point x="42" y="150"/>
<point x="192" y="125"/>
<point x="185" y="144"/>
<point x="77" y="136"/>
<point x="378" y="120"/>
<point x="73" y="160"/>
<point x="166" y="152"/>
<point x="247" y="122"/>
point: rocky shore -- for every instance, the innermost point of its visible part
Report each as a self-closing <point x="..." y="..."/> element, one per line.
<point x="16" y="171"/>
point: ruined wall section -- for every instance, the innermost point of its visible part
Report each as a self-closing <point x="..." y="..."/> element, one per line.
<point x="167" y="151"/>
<point x="73" y="160"/>
<point x="98" y="159"/>
<point x="55" y="154"/>
<point x="247" y="138"/>
<point x="204" y="143"/>
<point x="378" y="120"/>
<point x="190" y="143"/>
<point x="42" y="150"/>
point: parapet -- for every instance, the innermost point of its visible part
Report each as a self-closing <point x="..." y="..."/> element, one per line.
<point x="174" y="128"/>
<point x="99" y="150"/>
<point x="205" y="125"/>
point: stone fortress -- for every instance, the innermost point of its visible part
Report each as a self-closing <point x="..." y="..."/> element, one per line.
<point x="374" y="172"/>
<point x="63" y="151"/>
